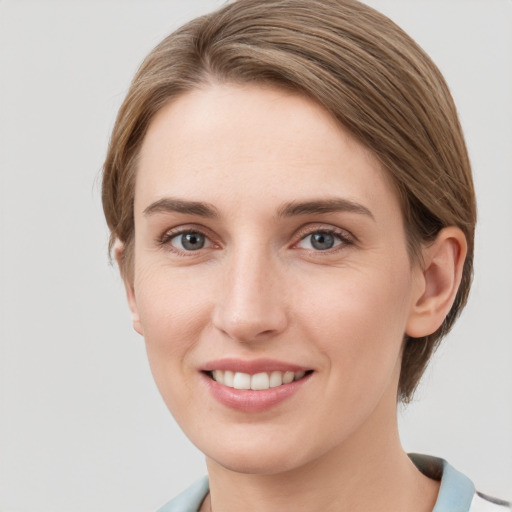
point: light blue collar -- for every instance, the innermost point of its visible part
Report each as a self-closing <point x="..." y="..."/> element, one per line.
<point x="456" y="491"/>
<point x="190" y="499"/>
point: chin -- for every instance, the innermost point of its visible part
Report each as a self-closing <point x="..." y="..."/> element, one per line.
<point x="257" y="463"/>
<point x="262" y="454"/>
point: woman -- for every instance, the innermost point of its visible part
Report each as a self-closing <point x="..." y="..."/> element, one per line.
<point x="291" y="206"/>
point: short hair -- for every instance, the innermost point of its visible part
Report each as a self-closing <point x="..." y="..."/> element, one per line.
<point x="363" y="69"/>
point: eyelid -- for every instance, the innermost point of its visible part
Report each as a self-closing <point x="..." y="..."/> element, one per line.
<point x="345" y="236"/>
<point x="165" y="238"/>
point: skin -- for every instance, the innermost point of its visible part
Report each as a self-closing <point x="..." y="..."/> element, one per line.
<point x="259" y="288"/>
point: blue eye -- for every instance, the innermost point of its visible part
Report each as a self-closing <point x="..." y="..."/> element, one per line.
<point x="189" y="241"/>
<point x="320" y="241"/>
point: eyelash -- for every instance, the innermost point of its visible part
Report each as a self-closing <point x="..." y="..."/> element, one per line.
<point x="343" y="237"/>
<point x="168" y="236"/>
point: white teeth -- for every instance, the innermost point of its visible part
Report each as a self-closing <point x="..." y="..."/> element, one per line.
<point x="288" y="377"/>
<point x="242" y="381"/>
<point x="258" y="381"/>
<point x="276" y="379"/>
<point x="229" y="378"/>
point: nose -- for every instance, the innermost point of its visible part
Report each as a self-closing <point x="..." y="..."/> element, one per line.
<point x="250" y="306"/>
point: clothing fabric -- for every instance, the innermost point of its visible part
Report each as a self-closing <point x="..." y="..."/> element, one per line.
<point x="456" y="493"/>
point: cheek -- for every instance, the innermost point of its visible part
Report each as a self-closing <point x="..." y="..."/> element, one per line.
<point x="172" y="312"/>
<point x="168" y="302"/>
<point x="358" y="320"/>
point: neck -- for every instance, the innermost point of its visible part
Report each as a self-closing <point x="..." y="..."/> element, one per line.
<point x="367" y="472"/>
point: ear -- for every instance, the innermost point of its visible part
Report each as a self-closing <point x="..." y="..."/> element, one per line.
<point x="129" y="288"/>
<point x="439" y="280"/>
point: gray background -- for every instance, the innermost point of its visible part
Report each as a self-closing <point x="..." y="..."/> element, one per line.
<point x="82" y="425"/>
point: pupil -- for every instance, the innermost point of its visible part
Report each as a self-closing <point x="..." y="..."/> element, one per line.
<point x="322" y="241"/>
<point x="192" y="241"/>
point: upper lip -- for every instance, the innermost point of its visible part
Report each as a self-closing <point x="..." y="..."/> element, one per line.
<point x="252" y="367"/>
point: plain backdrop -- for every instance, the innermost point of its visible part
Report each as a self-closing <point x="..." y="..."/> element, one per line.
<point x="82" y="426"/>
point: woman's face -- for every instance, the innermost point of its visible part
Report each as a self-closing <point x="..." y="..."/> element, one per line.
<point x="269" y="246"/>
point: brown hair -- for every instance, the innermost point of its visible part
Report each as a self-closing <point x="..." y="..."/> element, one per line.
<point x="370" y="75"/>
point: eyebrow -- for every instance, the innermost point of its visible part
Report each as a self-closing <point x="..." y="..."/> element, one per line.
<point x="168" y="204"/>
<point x="291" y="209"/>
<point x="323" y="206"/>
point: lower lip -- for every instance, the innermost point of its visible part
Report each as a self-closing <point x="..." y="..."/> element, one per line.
<point x="248" y="400"/>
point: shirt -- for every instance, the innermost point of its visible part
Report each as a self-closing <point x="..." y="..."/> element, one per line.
<point x="456" y="494"/>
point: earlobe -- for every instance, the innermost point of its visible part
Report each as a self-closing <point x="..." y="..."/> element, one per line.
<point x="129" y="288"/>
<point x="443" y="262"/>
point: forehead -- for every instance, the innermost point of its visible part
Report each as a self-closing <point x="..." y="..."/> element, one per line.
<point x="252" y="142"/>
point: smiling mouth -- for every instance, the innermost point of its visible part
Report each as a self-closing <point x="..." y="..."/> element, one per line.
<point x="256" y="382"/>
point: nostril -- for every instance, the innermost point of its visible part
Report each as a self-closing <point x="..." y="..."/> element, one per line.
<point x="268" y="332"/>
